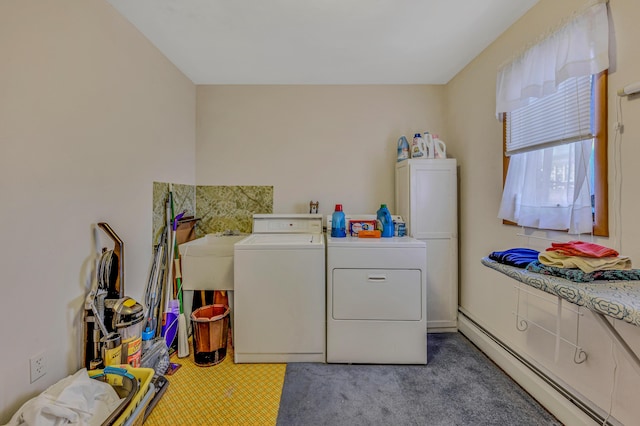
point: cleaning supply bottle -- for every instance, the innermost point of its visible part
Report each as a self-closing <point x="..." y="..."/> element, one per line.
<point x="430" y="144"/>
<point x="338" y="226"/>
<point x="147" y="340"/>
<point x="170" y="326"/>
<point x="385" y="223"/>
<point x="403" y="149"/>
<point x="440" y="148"/>
<point x="418" y="147"/>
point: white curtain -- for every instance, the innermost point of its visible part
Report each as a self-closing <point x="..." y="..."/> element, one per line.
<point x="549" y="188"/>
<point x="579" y="48"/>
<point x="544" y="190"/>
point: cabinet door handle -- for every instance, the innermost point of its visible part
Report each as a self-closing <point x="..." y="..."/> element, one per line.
<point x="376" y="278"/>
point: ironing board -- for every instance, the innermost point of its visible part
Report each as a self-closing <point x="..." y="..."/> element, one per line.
<point x="616" y="299"/>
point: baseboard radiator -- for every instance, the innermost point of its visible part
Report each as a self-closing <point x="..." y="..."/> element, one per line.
<point x="565" y="405"/>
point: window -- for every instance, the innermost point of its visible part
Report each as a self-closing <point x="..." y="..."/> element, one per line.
<point x="546" y="171"/>
<point x="552" y="97"/>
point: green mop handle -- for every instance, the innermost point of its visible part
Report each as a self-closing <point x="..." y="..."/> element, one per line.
<point x="179" y="281"/>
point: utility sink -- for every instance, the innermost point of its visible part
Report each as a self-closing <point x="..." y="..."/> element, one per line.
<point x="207" y="262"/>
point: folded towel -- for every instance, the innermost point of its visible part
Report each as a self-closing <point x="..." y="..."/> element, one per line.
<point x="518" y="257"/>
<point x="581" y="248"/>
<point x="579" y="276"/>
<point x="586" y="264"/>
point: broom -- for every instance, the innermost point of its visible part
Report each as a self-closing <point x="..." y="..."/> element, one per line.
<point x="168" y="327"/>
<point x="182" y="322"/>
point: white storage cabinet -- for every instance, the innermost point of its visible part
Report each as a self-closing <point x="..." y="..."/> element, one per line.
<point x="426" y="197"/>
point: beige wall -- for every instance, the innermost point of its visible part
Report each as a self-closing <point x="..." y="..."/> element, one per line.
<point x="332" y="144"/>
<point x="476" y="136"/>
<point x="90" y="115"/>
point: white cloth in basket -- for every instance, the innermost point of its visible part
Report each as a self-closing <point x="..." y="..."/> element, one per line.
<point x="74" y="400"/>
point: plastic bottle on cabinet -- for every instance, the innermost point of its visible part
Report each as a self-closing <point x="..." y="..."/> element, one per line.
<point x="403" y="149"/>
<point x="440" y="148"/>
<point x="338" y="225"/>
<point x="418" y="147"/>
<point x="430" y="145"/>
<point x="385" y="223"/>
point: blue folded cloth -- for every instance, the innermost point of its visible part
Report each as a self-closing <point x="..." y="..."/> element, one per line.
<point x="518" y="257"/>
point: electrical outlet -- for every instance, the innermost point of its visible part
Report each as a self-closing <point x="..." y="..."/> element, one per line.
<point x="38" y="366"/>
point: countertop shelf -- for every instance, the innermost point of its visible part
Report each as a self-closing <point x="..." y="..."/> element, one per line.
<point x="615" y="299"/>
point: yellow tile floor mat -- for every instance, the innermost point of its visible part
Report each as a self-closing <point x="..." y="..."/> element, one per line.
<point x="223" y="394"/>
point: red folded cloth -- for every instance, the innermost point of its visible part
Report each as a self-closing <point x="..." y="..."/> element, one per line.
<point x="581" y="248"/>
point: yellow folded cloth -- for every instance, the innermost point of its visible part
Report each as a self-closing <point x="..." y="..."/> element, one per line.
<point x="586" y="264"/>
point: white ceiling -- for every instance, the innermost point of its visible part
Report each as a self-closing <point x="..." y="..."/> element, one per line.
<point x="321" y="41"/>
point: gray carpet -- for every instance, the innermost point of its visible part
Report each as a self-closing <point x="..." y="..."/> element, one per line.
<point x="458" y="386"/>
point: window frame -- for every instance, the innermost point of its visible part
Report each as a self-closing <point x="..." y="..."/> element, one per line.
<point x="601" y="171"/>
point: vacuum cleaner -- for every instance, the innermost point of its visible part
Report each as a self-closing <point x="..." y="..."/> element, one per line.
<point x="112" y="321"/>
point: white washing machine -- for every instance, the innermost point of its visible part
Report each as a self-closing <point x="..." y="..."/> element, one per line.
<point x="376" y="300"/>
<point x="279" y="282"/>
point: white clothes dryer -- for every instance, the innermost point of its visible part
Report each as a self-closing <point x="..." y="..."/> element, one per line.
<point x="279" y="274"/>
<point x="376" y="300"/>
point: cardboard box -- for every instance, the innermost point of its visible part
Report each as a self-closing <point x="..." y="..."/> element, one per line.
<point x="355" y="226"/>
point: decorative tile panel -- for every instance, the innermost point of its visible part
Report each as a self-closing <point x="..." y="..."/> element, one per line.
<point x="184" y="199"/>
<point x="222" y="208"/>
<point x="219" y="208"/>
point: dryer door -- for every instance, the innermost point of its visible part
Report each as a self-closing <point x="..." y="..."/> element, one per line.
<point x="377" y="294"/>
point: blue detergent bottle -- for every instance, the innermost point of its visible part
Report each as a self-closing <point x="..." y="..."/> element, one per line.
<point x="385" y="223"/>
<point x="403" y="149"/>
<point x="338" y="225"/>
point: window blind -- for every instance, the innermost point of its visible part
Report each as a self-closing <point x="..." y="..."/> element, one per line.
<point x="560" y="118"/>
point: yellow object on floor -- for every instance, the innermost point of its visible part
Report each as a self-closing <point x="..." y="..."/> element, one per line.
<point x="223" y="394"/>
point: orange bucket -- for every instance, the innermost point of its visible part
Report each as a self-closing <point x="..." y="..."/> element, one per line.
<point x="210" y="334"/>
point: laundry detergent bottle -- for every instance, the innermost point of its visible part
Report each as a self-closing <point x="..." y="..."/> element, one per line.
<point x="338" y="225"/>
<point x="403" y="149"/>
<point x="440" y="148"/>
<point x="385" y="223"/>
<point x="418" y="147"/>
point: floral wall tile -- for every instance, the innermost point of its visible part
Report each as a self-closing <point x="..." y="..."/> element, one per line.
<point x="184" y="199"/>
<point x="222" y="208"/>
<point x="219" y="208"/>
